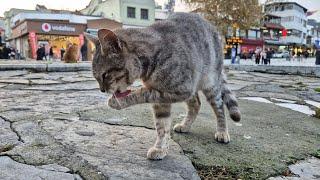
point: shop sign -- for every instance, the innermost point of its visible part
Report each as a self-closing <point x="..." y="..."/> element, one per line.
<point x="234" y="40"/>
<point x="46" y="27"/>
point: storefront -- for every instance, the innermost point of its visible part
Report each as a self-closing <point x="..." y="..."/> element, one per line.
<point x="245" y="47"/>
<point x="28" y="35"/>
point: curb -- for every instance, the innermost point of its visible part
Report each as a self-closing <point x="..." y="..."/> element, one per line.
<point x="312" y="71"/>
<point x="47" y="67"/>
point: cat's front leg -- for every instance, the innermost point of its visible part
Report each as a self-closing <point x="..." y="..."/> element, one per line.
<point x="145" y="95"/>
<point x="163" y="125"/>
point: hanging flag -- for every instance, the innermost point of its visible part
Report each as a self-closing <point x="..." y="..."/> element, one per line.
<point x="310" y="13"/>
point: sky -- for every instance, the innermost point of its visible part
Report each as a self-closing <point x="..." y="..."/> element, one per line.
<point x="80" y="4"/>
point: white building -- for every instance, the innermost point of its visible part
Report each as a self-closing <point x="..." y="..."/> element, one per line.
<point x="293" y="18"/>
<point x="313" y="31"/>
<point x="161" y="14"/>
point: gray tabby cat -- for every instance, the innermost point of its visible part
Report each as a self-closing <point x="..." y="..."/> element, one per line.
<point x="175" y="59"/>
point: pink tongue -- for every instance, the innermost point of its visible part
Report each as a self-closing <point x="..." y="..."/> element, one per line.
<point x="123" y="94"/>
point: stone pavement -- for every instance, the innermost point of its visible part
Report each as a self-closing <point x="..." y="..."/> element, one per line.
<point x="56" y="125"/>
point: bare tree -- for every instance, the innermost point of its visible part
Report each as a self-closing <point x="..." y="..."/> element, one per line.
<point x="242" y="14"/>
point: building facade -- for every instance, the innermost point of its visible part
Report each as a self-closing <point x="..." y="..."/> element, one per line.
<point x="293" y="19"/>
<point x="313" y="35"/>
<point x="32" y="30"/>
<point x="9" y="22"/>
<point x="131" y="13"/>
<point x="272" y="32"/>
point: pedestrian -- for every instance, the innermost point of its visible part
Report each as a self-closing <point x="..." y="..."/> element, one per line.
<point x="258" y="56"/>
<point x="318" y="57"/>
<point x="84" y="50"/>
<point x="264" y="56"/>
<point x="62" y="51"/>
<point x="12" y="53"/>
<point x="39" y="53"/>
<point x="50" y="53"/>
<point x="299" y="56"/>
<point x="1" y="53"/>
<point x="306" y="54"/>
<point x="269" y="56"/>
<point x="293" y="55"/>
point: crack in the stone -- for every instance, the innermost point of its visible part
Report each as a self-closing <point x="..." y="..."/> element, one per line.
<point x="113" y="124"/>
<point x="12" y="128"/>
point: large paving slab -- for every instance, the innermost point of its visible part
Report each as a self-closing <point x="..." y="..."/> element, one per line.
<point x="10" y="169"/>
<point x="308" y="169"/>
<point x="67" y="125"/>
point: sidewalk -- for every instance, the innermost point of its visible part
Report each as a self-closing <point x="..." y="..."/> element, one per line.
<point x="43" y="66"/>
<point x="278" y="62"/>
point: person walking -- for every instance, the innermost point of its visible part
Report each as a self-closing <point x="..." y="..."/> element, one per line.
<point x="293" y="55"/>
<point x="264" y="56"/>
<point x="318" y="57"/>
<point x="258" y="56"/>
<point x="269" y="56"/>
<point x="50" y="53"/>
<point x="299" y="54"/>
<point x="62" y="51"/>
<point x="84" y="50"/>
<point x="5" y="52"/>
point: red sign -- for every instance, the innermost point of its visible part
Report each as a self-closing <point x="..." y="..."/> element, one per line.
<point x="284" y="32"/>
<point x="33" y="44"/>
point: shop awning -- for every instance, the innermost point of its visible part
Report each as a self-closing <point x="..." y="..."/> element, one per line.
<point x="257" y="42"/>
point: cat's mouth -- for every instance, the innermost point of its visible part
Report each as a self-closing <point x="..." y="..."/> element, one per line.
<point x="122" y="94"/>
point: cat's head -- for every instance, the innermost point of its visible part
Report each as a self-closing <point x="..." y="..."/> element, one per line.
<point x="114" y="66"/>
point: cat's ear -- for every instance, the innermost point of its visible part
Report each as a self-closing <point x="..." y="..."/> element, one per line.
<point x="92" y="38"/>
<point x="109" y="41"/>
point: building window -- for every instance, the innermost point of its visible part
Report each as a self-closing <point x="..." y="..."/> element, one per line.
<point x="144" y="14"/>
<point x="131" y="12"/>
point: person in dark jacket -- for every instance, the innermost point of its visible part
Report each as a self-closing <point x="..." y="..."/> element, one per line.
<point x="269" y="56"/>
<point x="318" y="57"/>
<point x="41" y="52"/>
<point x="6" y="51"/>
<point x="50" y="53"/>
<point x="84" y="50"/>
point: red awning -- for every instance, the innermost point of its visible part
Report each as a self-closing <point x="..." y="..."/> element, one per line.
<point x="273" y="26"/>
<point x="255" y="42"/>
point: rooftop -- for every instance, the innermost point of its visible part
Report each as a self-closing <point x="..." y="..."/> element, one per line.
<point x="287" y="2"/>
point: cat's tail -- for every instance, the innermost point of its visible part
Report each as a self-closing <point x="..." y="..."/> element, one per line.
<point x="230" y="101"/>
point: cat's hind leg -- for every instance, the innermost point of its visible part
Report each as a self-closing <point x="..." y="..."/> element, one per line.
<point x="193" y="106"/>
<point x="214" y="97"/>
<point x="163" y="125"/>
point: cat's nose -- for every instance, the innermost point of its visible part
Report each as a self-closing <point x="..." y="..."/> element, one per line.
<point x="102" y="89"/>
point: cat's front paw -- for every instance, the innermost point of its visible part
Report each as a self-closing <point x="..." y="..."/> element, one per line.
<point x="222" y="137"/>
<point x="115" y="103"/>
<point x="180" y="128"/>
<point x="157" y="153"/>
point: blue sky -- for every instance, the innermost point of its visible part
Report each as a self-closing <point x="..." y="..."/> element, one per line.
<point x="80" y="4"/>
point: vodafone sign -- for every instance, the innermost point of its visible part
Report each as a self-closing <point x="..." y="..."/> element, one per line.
<point x="46" y="27"/>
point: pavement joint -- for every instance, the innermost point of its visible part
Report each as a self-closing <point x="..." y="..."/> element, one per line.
<point x="12" y="128"/>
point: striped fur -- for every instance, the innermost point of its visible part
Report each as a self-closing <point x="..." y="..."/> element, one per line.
<point x="175" y="59"/>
